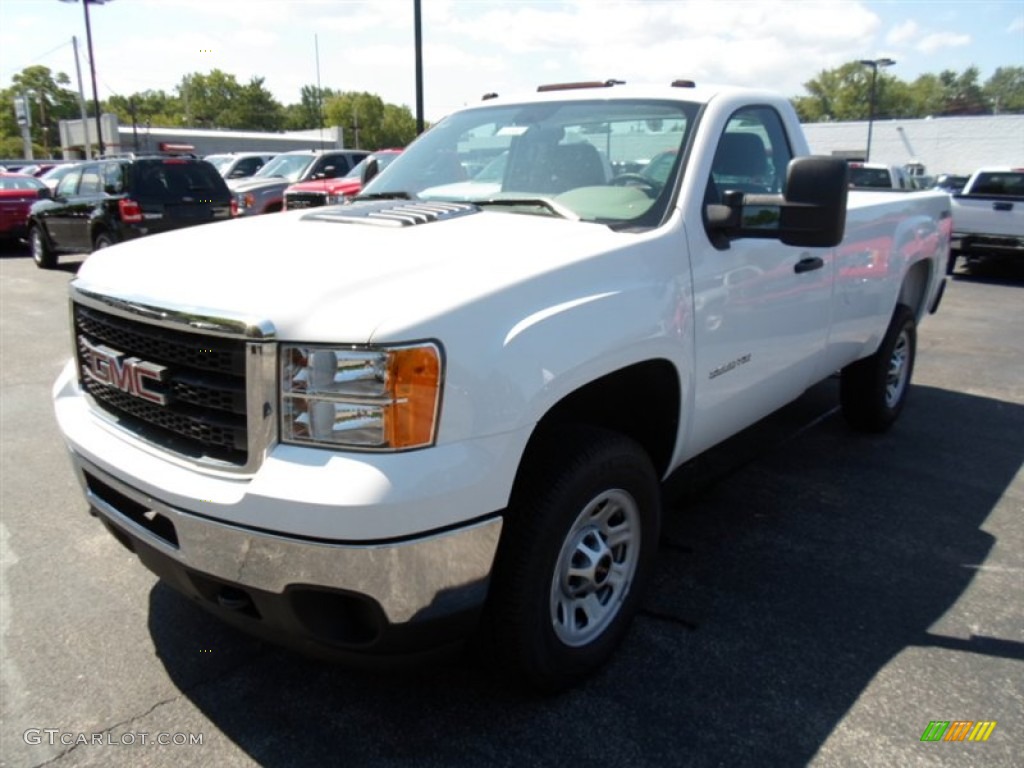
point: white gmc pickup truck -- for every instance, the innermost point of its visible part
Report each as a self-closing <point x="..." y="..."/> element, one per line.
<point x="450" y="405"/>
<point x="988" y="216"/>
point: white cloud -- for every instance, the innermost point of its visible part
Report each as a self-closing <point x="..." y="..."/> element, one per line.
<point x="904" y="32"/>
<point x="1017" y="25"/>
<point x="938" y="41"/>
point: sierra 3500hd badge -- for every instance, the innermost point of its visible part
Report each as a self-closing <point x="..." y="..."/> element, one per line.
<point x="129" y="374"/>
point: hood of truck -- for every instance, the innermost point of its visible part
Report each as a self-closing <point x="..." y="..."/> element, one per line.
<point x="342" y="185"/>
<point x="252" y="182"/>
<point x="323" y="277"/>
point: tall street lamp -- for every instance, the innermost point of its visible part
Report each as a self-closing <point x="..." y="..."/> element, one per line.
<point x="92" y="68"/>
<point x="874" y="64"/>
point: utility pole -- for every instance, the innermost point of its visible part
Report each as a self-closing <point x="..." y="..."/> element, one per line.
<point x="92" y="69"/>
<point x="81" y="101"/>
<point x="418" y="26"/>
<point x="874" y="64"/>
<point x="23" y="115"/>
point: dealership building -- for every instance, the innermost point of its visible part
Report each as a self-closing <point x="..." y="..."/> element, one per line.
<point x="929" y="146"/>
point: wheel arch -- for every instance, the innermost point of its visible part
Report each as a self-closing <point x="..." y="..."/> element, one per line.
<point x="914" y="288"/>
<point x="641" y="401"/>
<point x="98" y="228"/>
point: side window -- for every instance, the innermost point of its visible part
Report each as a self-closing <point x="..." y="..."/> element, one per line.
<point x="248" y="166"/>
<point x="113" y="179"/>
<point x="92" y="183"/>
<point x="66" y="187"/>
<point x="752" y="156"/>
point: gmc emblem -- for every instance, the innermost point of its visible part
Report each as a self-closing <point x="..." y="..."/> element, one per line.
<point x="129" y="374"/>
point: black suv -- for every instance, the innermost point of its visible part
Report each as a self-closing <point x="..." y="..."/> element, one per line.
<point x="105" y="201"/>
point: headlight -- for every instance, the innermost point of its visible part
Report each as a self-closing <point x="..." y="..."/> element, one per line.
<point x="337" y="199"/>
<point x="354" y="397"/>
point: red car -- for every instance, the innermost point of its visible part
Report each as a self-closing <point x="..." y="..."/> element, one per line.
<point x="312" y="194"/>
<point x="17" y="193"/>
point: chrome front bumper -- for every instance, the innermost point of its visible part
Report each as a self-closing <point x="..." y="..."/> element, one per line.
<point x="411" y="580"/>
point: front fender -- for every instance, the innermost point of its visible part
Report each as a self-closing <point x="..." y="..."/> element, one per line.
<point x="507" y="376"/>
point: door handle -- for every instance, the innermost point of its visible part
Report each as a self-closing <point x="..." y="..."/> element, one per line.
<point x="808" y="264"/>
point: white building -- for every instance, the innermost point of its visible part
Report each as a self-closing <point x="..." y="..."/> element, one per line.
<point x="958" y="145"/>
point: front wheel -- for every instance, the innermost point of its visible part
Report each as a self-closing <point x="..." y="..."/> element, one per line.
<point x="580" y="539"/>
<point x="872" y="391"/>
<point x="42" y="253"/>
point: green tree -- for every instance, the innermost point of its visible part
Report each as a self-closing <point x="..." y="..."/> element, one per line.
<point x="254" y="108"/>
<point x="398" y="126"/>
<point x="13" y="146"/>
<point x="1004" y="91"/>
<point x="218" y="100"/>
<point x="49" y="102"/>
<point x="152" y="107"/>
<point x="844" y="93"/>
<point x="307" y="113"/>
<point x="962" y="93"/>
<point x="360" y="114"/>
<point x="927" y="96"/>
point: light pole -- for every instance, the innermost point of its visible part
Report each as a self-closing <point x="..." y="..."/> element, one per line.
<point x="874" y="64"/>
<point x="92" y="69"/>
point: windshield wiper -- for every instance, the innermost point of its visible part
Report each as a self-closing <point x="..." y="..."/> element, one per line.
<point x="384" y="196"/>
<point x="543" y="202"/>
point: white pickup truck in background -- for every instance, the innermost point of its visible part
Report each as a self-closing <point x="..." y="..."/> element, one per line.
<point x="988" y="216"/>
<point x="878" y="176"/>
<point x="451" y="404"/>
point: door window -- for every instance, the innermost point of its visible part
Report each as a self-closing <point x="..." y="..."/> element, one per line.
<point x="92" y="183"/>
<point x="752" y="155"/>
<point x="67" y="186"/>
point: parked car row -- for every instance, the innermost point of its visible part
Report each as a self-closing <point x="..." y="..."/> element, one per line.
<point x="102" y="202"/>
<point x="17" y="194"/>
<point x="79" y="207"/>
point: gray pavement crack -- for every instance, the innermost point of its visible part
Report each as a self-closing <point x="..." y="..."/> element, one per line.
<point x="226" y="674"/>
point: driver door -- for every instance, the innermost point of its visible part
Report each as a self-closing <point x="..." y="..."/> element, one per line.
<point x="762" y="308"/>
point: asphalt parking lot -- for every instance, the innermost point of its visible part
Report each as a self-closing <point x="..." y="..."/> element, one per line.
<point x="822" y="596"/>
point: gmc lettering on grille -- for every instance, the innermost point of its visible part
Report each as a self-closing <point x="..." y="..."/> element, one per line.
<point x="112" y="368"/>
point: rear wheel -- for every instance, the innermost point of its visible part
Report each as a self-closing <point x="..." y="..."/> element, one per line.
<point x="873" y="391"/>
<point x="42" y="253"/>
<point x="102" y="240"/>
<point x="579" y="545"/>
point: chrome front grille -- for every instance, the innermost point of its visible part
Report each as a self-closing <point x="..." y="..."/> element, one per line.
<point x="296" y="200"/>
<point x="202" y="394"/>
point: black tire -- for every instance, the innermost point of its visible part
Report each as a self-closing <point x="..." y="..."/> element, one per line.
<point x="873" y="391"/>
<point x="103" y="240"/>
<point x="42" y="253"/>
<point x="562" y="596"/>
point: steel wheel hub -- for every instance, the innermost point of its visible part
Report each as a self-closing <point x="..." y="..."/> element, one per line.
<point x="595" y="567"/>
<point x="896" y="376"/>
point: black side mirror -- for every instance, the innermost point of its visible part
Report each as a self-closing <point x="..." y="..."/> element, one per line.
<point x="45" y="193"/>
<point x="811" y="214"/>
<point x="371" y="169"/>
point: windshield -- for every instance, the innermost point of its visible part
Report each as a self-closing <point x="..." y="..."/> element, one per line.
<point x="1008" y="183"/>
<point x="584" y="159"/>
<point x="290" y="167"/>
<point x="220" y="162"/>
<point x="870" y="178"/>
<point x="26" y="183"/>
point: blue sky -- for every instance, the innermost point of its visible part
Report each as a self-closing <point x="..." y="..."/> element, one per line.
<point x="475" y="46"/>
